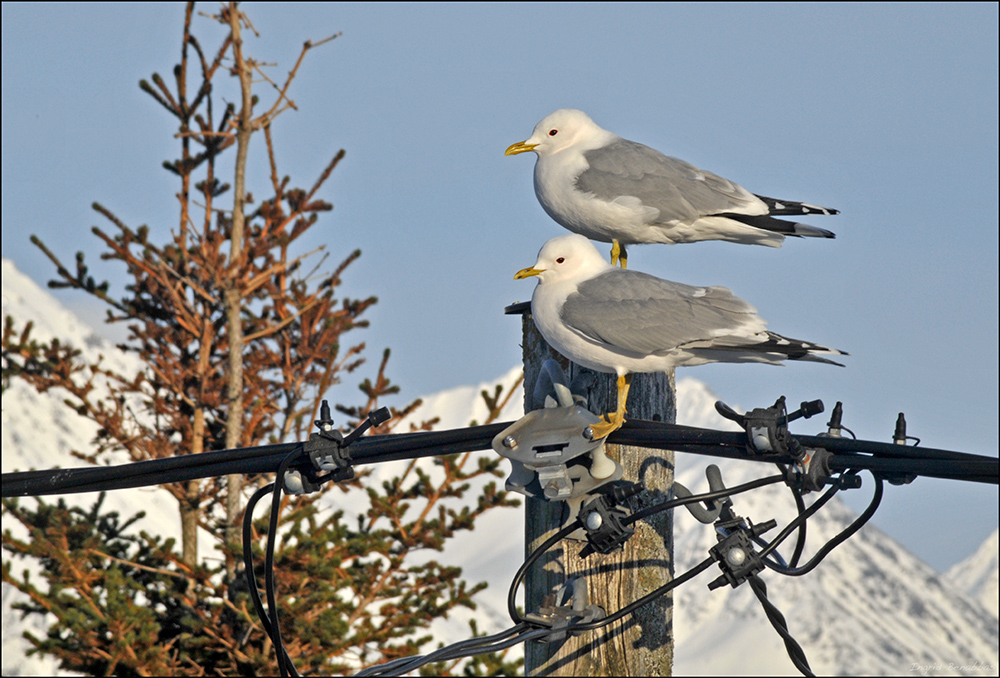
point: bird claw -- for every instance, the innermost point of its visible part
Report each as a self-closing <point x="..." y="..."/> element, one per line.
<point x="612" y="422"/>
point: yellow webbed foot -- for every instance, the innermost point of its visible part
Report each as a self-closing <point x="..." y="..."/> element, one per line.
<point x="614" y="420"/>
<point x="605" y="428"/>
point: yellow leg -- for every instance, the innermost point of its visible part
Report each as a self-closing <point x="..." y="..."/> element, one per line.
<point x="618" y="254"/>
<point x="614" y="420"/>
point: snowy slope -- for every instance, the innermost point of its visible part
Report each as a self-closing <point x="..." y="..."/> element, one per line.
<point x="869" y="608"/>
<point x="976" y="576"/>
<point x="40" y="432"/>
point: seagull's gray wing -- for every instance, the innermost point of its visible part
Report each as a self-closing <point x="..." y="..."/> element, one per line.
<point x="681" y="191"/>
<point x="638" y="314"/>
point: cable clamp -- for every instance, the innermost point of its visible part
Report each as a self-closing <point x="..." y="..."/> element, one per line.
<point x="602" y="518"/>
<point x="811" y="472"/>
<point x="552" y="457"/>
<point x="552" y="451"/>
<point x="575" y="610"/>
<point x="767" y="427"/>
<point x="899" y="437"/>
<point x="326" y="450"/>
<point x="735" y="551"/>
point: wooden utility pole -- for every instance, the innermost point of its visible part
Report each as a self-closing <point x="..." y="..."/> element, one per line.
<point x="642" y="643"/>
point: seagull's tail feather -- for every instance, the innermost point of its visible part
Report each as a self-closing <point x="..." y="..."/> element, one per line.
<point x="796" y="349"/>
<point x="790" y="207"/>
<point x="766" y="222"/>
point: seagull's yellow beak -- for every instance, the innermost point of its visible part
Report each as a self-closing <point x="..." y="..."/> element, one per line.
<point x="527" y="273"/>
<point x="519" y="147"/>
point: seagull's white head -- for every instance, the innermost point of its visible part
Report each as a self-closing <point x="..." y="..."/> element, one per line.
<point x="566" y="258"/>
<point x="563" y="129"/>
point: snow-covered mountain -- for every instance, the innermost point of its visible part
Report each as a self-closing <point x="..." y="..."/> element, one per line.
<point x="39" y="431"/>
<point x="870" y="607"/>
<point x="976" y="576"/>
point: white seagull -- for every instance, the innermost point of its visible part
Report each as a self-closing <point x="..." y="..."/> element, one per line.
<point x="620" y="321"/>
<point x="593" y="182"/>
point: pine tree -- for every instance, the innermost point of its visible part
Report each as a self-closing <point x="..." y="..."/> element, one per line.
<point x="353" y="590"/>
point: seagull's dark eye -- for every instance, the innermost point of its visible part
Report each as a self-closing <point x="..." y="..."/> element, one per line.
<point x="560" y="260"/>
<point x="553" y="132"/>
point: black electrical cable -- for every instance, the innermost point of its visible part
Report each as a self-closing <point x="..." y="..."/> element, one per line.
<point x="466" y="648"/>
<point x="243" y="460"/>
<point x="800" y="507"/>
<point x="258" y="604"/>
<point x="262" y="459"/>
<point x="800" y="540"/>
<point x="649" y="597"/>
<point x="272" y="537"/>
<point x="981" y="471"/>
<point x="638" y="515"/>
<point x="248" y="557"/>
<point x="795" y="651"/>
<point x="380" y="669"/>
<point x="846" y="534"/>
<point x="888" y="459"/>
<point x="707" y="496"/>
<point x="799" y="520"/>
<point x="522" y="637"/>
<point x="528" y="562"/>
<point x="760" y="541"/>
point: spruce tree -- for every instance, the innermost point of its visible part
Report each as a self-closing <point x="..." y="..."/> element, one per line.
<point x="353" y="590"/>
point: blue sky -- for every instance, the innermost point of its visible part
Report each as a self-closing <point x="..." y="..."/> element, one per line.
<point x="886" y="112"/>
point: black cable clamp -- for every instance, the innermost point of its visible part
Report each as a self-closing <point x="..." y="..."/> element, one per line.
<point x="767" y="427"/>
<point x="735" y="551"/>
<point x="560" y="618"/>
<point x="602" y="517"/>
<point x="326" y="450"/>
<point x="812" y="472"/>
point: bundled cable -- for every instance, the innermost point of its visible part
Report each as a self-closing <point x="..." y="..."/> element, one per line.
<point x="777" y="620"/>
<point x="884" y="458"/>
<point x="326" y="451"/>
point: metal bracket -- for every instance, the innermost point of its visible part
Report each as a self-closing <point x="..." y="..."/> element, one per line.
<point x="551" y="452"/>
<point x="560" y="617"/>
<point x="711" y="510"/>
<point x="544" y="448"/>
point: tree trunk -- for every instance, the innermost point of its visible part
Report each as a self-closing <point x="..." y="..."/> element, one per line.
<point x="641" y="643"/>
<point x="233" y="298"/>
<point x="190" y="513"/>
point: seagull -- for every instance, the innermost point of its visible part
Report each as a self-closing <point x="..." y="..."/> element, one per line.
<point x="621" y="321"/>
<point x="593" y="182"/>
